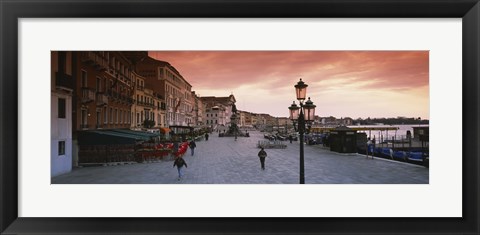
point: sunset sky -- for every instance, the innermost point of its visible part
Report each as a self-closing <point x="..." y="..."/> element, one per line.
<point x="356" y="84"/>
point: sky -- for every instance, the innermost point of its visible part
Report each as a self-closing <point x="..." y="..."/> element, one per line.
<point x="355" y="84"/>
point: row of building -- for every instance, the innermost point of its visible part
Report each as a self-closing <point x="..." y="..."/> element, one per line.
<point x="102" y="90"/>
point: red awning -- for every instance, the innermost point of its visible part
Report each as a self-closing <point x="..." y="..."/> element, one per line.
<point x="164" y="130"/>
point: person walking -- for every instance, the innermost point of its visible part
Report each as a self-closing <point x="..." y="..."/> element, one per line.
<point x="179" y="162"/>
<point x="290" y="137"/>
<point x="262" y="155"/>
<point x="369" y="142"/>
<point x="192" y="146"/>
<point x="206" y="136"/>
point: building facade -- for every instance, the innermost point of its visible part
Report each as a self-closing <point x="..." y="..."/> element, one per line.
<point x="142" y="104"/>
<point x="62" y="87"/>
<point x="218" y="110"/>
<point x="215" y="116"/>
<point x="104" y="91"/>
<point x="167" y="82"/>
<point x="198" y="111"/>
<point x="147" y="105"/>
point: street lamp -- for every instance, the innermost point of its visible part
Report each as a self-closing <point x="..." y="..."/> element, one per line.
<point x="301" y="115"/>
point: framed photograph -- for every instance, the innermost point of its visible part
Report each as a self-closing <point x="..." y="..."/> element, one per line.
<point x="88" y="155"/>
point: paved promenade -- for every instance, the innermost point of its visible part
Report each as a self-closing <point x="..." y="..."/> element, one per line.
<point x="222" y="160"/>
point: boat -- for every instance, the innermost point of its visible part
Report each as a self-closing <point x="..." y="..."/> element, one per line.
<point x="385" y="152"/>
<point x="400" y="155"/>
<point x="416" y="156"/>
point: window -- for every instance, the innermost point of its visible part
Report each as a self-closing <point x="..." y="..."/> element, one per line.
<point x="61" y="108"/>
<point x="113" y="62"/>
<point x="62" y="61"/>
<point x="99" y="118"/>
<point x="99" y="84"/>
<point x="105" y="116"/>
<point x="61" y="148"/>
<point x="84" y="118"/>
<point x="84" y="78"/>
<point x="105" y="84"/>
<point x="111" y="115"/>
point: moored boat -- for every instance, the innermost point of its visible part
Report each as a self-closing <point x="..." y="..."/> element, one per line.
<point x="415" y="156"/>
<point x="400" y="155"/>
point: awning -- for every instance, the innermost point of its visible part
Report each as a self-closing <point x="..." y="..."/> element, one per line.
<point x="113" y="136"/>
<point x="164" y="130"/>
<point x="142" y="134"/>
<point x="105" y="138"/>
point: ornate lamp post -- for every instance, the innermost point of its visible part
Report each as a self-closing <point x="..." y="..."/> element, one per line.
<point x="301" y="115"/>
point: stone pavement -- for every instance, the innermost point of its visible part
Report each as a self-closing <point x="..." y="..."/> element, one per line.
<point x="222" y="160"/>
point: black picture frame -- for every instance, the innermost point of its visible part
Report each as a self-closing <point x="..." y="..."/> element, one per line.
<point x="11" y="11"/>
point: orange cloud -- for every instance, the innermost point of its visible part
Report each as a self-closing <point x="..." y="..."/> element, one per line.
<point x="337" y="72"/>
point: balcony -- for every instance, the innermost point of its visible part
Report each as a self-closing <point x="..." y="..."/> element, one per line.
<point x="122" y="98"/>
<point x="96" y="59"/>
<point x="88" y="95"/>
<point x="146" y="104"/>
<point x="113" y="94"/>
<point x="112" y="71"/>
<point x="64" y="81"/>
<point x="123" y="77"/>
<point x="158" y="96"/>
<point x="102" y="99"/>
